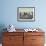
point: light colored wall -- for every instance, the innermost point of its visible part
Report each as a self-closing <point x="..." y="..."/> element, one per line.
<point x="9" y="13"/>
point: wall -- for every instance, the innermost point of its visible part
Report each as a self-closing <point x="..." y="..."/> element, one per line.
<point x="8" y="13"/>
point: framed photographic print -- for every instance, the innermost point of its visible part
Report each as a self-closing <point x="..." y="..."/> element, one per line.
<point x="26" y="14"/>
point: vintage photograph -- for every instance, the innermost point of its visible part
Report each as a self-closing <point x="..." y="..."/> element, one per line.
<point x="26" y="14"/>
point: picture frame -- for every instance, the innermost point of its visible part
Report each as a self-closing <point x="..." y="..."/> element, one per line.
<point x="26" y="14"/>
